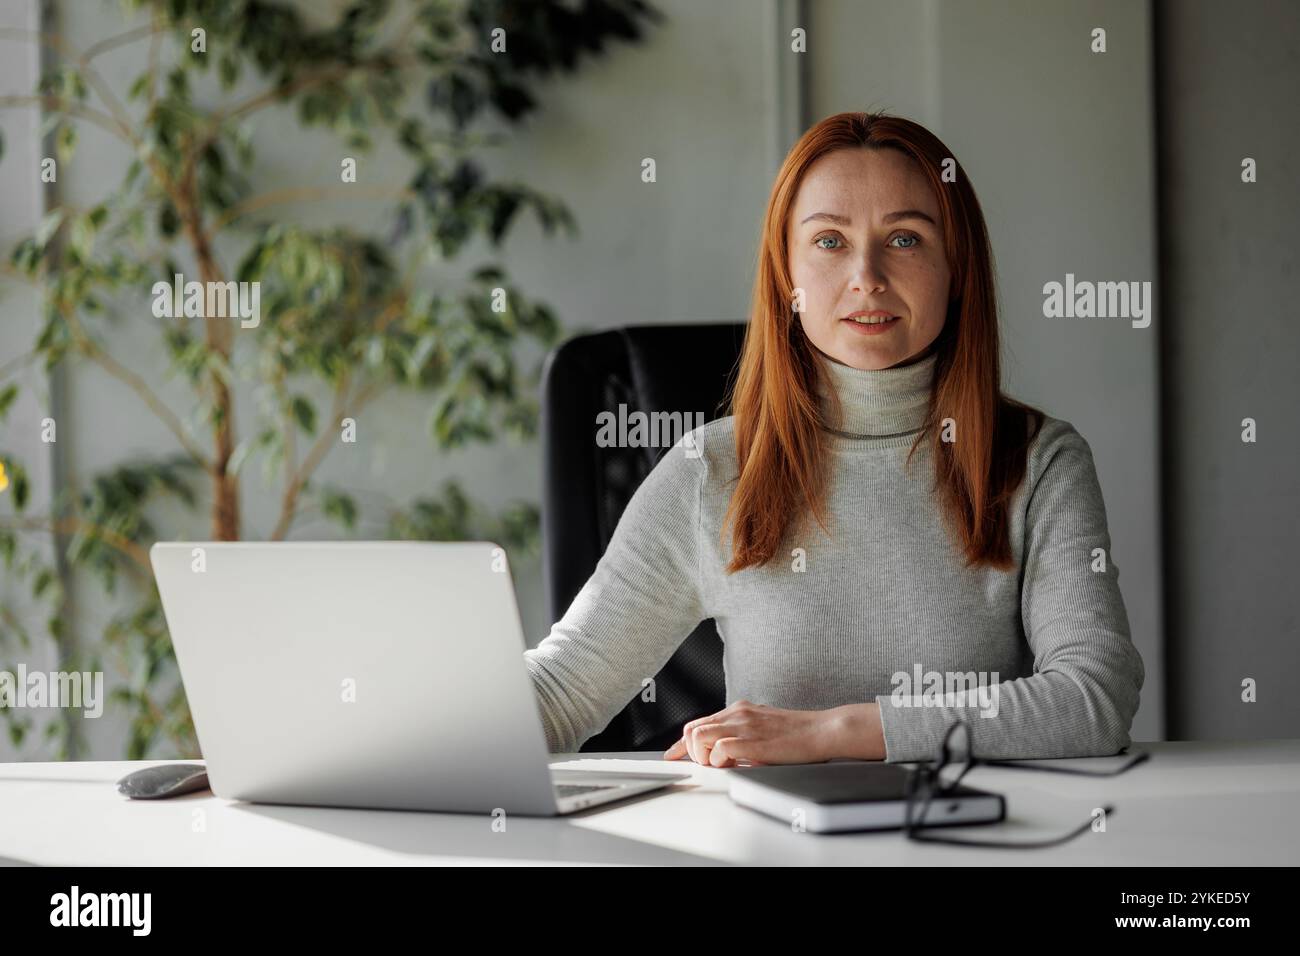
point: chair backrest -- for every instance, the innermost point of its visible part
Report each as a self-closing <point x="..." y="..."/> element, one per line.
<point x="659" y="368"/>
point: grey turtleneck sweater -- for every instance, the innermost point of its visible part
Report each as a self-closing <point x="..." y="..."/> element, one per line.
<point x="882" y="609"/>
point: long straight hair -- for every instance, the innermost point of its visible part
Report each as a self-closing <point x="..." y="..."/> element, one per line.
<point x="781" y="442"/>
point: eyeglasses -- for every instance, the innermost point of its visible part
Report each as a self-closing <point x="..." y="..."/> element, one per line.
<point x="954" y="760"/>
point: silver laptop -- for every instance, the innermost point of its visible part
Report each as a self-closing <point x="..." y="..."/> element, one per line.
<point x="385" y="674"/>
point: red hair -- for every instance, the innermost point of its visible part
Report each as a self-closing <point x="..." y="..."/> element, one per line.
<point x="781" y="447"/>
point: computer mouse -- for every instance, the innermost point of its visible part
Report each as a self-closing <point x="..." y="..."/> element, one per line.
<point x="167" y="780"/>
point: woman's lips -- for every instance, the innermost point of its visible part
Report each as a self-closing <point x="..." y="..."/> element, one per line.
<point x="862" y="328"/>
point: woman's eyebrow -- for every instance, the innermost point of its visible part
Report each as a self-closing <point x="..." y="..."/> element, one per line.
<point x="890" y="217"/>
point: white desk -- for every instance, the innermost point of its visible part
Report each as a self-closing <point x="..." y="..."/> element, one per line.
<point x="1213" y="804"/>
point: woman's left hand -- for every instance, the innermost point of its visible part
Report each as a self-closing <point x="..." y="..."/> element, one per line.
<point x="756" y="734"/>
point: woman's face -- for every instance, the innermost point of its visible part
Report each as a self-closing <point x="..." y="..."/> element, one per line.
<point x="865" y="235"/>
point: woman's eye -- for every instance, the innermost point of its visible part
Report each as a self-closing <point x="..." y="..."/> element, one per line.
<point x="910" y="241"/>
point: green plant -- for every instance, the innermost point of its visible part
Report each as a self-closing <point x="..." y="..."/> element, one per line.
<point x="340" y="308"/>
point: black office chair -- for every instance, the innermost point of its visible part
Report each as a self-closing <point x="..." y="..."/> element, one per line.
<point x="673" y="368"/>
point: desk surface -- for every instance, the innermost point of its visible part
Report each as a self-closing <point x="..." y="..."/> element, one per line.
<point x="1219" y="803"/>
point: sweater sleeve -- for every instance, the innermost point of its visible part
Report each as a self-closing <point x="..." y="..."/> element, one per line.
<point x="640" y="603"/>
<point x="1083" y="694"/>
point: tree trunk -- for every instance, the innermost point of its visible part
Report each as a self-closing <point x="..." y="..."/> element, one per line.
<point x="220" y="336"/>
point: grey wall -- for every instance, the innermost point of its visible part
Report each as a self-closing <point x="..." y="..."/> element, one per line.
<point x="22" y="202"/>
<point x="1227" y="90"/>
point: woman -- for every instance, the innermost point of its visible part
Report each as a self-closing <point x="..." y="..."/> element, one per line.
<point x="873" y="511"/>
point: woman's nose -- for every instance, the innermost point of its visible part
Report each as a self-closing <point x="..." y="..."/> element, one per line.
<point x="869" y="275"/>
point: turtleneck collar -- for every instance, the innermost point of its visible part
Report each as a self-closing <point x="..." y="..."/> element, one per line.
<point x="877" y="403"/>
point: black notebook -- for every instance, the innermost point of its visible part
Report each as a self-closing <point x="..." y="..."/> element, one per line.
<point x="853" y="795"/>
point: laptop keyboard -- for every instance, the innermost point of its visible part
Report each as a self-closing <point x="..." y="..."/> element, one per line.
<point x="573" y="789"/>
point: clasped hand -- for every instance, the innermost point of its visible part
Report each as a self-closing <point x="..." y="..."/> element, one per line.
<point x="746" y="734"/>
